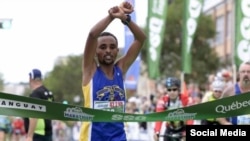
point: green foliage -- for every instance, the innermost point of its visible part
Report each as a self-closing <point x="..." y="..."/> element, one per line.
<point x="1" y="82"/>
<point x="65" y="79"/>
<point x="204" y="58"/>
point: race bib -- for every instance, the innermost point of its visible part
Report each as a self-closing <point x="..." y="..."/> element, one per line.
<point x="112" y="106"/>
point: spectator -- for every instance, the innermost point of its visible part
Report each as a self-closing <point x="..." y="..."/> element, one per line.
<point x="5" y="127"/>
<point x="242" y="86"/>
<point x="217" y="88"/>
<point x="76" y="131"/>
<point x="17" y="129"/>
<point x="38" y="129"/>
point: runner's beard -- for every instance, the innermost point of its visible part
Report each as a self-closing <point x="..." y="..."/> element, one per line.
<point x="107" y="62"/>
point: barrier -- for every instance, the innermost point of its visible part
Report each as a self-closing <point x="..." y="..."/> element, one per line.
<point x="14" y="105"/>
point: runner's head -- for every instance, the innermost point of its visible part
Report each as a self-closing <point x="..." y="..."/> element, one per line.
<point x="172" y="85"/>
<point x="107" y="49"/>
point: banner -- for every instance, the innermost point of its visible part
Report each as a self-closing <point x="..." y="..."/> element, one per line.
<point x="133" y="73"/>
<point x="157" y="16"/>
<point x="14" y="105"/>
<point x="242" y="32"/>
<point x="191" y="14"/>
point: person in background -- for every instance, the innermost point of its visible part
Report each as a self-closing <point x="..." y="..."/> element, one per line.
<point x="173" y="99"/>
<point x="76" y="131"/>
<point x="17" y="128"/>
<point x="242" y="81"/>
<point x="217" y="88"/>
<point x="242" y="86"/>
<point x="38" y="129"/>
<point x="103" y="74"/>
<point x="196" y="100"/>
<point x="132" y="128"/>
<point x="5" y="127"/>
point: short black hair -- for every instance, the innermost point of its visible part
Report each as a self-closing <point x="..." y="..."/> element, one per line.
<point x="108" y="34"/>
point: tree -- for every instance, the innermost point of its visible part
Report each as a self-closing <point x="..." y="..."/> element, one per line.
<point x="204" y="58"/>
<point x="65" y="79"/>
<point x="1" y="82"/>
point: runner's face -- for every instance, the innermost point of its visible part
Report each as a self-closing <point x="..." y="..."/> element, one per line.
<point x="173" y="92"/>
<point x="244" y="74"/>
<point x="107" y="50"/>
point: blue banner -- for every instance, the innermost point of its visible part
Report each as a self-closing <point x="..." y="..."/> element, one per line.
<point x="132" y="76"/>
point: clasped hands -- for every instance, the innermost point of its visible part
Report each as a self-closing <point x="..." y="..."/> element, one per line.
<point x="121" y="10"/>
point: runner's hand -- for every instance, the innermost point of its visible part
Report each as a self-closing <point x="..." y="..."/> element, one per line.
<point x="126" y="7"/>
<point x="116" y="12"/>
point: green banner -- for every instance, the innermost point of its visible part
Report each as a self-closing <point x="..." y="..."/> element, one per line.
<point x="14" y="105"/>
<point x="242" y="32"/>
<point x="157" y="15"/>
<point x="192" y="12"/>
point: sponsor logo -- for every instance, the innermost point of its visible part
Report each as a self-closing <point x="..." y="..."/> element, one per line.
<point x="117" y="117"/>
<point x="5" y="103"/>
<point x="180" y="114"/>
<point x="231" y="107"/>
<point x="76" y="113"/>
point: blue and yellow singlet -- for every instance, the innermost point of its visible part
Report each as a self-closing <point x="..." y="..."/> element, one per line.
<point x="105" y="94"/>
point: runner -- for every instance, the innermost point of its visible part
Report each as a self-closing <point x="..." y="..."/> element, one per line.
<point x="103" y="73"/>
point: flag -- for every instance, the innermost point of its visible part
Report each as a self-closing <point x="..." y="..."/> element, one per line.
<point x="242" y="32"/>
<point x="157" y="15"/>
<point x="133" y="73"/>
<point x="191" y="14"/>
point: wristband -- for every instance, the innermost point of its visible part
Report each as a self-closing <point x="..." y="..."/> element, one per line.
<point x="127" y="21"/>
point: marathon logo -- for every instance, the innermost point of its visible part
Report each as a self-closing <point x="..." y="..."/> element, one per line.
<point x="180" y="114"/>
<point x="76" y="113"/>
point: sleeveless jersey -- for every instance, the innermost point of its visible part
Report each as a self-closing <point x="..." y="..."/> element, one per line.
<point x="104" y="94"/>
<point x="243" y="119"/>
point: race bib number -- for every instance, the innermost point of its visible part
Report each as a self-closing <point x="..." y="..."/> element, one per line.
<point x="112" y="106"/>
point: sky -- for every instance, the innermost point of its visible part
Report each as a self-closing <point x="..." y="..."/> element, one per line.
<point x="43" y="30"/>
